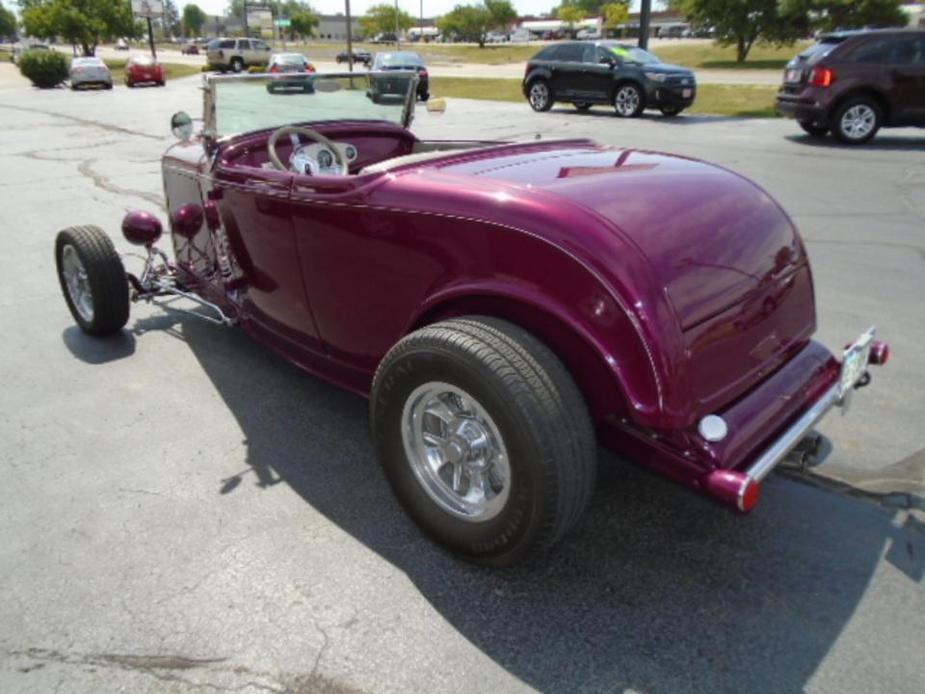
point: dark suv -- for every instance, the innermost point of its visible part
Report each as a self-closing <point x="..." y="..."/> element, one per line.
<point x="605" y="72"/>
<point x="855" y="82"/>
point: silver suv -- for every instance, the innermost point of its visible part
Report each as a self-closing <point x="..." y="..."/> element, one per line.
<point x="237" y="54"/>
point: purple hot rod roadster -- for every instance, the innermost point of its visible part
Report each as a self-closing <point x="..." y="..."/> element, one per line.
<point x="505" y="306"/>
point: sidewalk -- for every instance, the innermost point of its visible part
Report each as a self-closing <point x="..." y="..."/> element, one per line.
<point x="10" y="77"/>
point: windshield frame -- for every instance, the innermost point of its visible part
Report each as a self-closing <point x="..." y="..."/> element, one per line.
<point x="209" y="116"/>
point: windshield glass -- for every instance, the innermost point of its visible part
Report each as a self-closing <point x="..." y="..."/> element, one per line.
<point x="87" y="61"/>
<point x="143" y="60"/>
<point x="257" y="102"/>
<point x="289" y="59"/>
<point x="632" y="53"/>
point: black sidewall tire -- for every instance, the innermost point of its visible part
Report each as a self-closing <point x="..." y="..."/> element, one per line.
<point x="549" y="100"/>
<point x="237" y="65"/>
<point x="105" y="274"/>
<point x="671" y="112"/>
<point x="582" y="105"/>
<point x="496" y="540"/>
<point x="840" y="111"/>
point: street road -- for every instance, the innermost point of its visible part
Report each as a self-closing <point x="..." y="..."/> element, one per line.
<point x="182" y="509"/>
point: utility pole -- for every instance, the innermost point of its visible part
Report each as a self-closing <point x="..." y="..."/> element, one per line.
<point x="645" y="16"/>
<point x="349" y="37"/>
<point x="151" y="38"/>
<point x="421" y="37"/>
<point x="397" y="38"/>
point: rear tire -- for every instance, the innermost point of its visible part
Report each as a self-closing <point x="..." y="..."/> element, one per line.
<point x="237" y="65"/>
<point x="92" y="279"/>
<point x="857" y="120"/>
<point x="534" y="447"/>
<point x="812" y="129"/>
<point x="539" y="95"/>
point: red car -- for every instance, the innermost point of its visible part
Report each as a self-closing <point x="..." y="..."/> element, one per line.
<point x="143" y="69"/>
<point x="506" y="306"/>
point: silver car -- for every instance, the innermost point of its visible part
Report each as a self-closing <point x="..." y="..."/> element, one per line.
<point x="89" y="71"/>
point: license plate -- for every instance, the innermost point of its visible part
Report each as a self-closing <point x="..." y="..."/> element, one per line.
<point x="686" y="93"/>
<point x="793" y="75"/>
<point x="854" y="363"/>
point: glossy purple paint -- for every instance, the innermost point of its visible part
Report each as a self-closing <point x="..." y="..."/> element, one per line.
<point x="141" y="228"/>
<point x="670" y="288"/>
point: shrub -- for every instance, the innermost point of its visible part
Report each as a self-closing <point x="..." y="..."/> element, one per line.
<point x="45" y="69"/>
<point x="256" y="69"/>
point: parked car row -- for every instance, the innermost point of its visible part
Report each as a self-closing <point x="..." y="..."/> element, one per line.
<point x="139" y="69"/>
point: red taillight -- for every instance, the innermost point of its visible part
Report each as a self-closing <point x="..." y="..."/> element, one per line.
<point x="309" y="67"/>
<point x="748" y="496"/>
<point x="275" y="68"/>
<point x="821" y="77"/>
<point x="879" y="353"/>
<point x="423" y="73"/>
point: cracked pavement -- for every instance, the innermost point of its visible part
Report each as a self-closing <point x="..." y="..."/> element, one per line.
<point x="183" y="511"/>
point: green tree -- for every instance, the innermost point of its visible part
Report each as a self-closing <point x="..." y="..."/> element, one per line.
<point x="383" y="19"/>
<point x="193" y="19"/>
<point x="615" y="13"/>
<point x="303" y="22"/>
<point x="743" y="22"/>
<point x="473" y="22"/>
<point x="80" y="22"/>
<point x="830" y="15"/>
<point x="571" y="15"/>
<point x="171" y="19"/>
<point x="7" y="22"/>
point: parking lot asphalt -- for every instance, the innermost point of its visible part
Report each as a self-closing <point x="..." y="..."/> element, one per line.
<point x="184" y="510"/>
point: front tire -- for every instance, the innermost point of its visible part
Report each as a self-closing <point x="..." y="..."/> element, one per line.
<point x="92" y="279"/>
<point x="539" y="96"/>
<point x="856" y="121"/>
<point x="671" y="112"/>
<point x="484" y="437"/>
<point x="629" y="100"/>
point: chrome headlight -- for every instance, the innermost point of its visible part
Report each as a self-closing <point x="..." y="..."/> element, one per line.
<point x="656" y="76"/>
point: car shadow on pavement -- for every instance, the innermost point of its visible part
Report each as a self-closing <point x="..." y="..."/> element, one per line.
<point x="657" y="589"/>
<point x="95" y="350"/>
<point x="881" y="142"/>
<point x="652" y="116"/>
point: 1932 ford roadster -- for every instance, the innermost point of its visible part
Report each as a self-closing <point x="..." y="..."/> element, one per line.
<point x="505" y="306"/>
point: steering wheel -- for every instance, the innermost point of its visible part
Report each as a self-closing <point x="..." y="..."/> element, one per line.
<point x="311" y="135"/>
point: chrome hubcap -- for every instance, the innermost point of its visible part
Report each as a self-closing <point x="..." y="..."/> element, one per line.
<point x="77" y="283"/>
<point x="858" y="121"/>
<point x="627" y="101"/>
<point x="456" y="451"/>
<point x="539" y="95"/>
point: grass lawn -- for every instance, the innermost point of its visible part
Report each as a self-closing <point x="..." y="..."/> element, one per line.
<point x="694" y="54"/>
<point x="713" y="99"/>
<point x="174" y="70"/>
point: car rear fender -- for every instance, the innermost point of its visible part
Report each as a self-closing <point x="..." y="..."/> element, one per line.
<point x="867" y="91"/>
<point x="596" y="368"/>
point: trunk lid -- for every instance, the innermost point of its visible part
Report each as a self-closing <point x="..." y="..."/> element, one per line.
<point x="729" y="259"/>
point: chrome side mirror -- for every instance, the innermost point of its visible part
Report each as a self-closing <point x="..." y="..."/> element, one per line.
<point x="181" y="125"/>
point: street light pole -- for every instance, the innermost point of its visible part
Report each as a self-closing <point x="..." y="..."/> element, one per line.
<point x="397" y="38"/>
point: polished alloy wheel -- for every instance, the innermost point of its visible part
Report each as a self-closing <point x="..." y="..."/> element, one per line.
<point x="539" y="96"/>
<point x="456" y="451"/>
<point x="858" y="121"/>
<point x="78" y="285"/>
<point x="626" y="101"/>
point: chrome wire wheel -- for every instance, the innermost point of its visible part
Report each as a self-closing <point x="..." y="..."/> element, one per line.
<point x="456" y="451"/>
<point x="539" y="96"/>
<point x="858" y="122"/>
<point x="626" y="101"/>
<point x="77" y="282"/>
